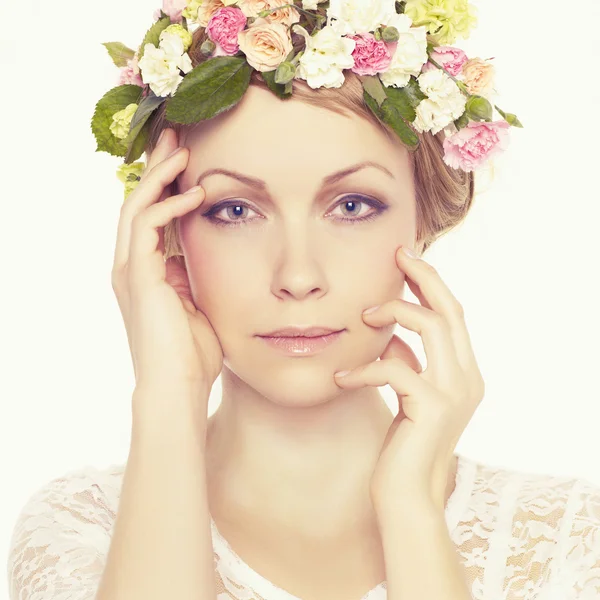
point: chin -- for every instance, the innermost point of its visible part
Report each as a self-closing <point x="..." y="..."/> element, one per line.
<point x="299" y="383"/>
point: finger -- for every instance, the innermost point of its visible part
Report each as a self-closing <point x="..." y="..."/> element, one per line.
<point x="390" y="371"/>
<point x="166" y="144"/>
<point x="431" y="291"/>
<point x="442" y="362"/>
<point x="146" y="265"/>
<point x="146" y="193"/>
<point x="398" y="348"/>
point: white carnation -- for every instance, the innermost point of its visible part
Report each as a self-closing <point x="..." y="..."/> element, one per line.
<point x="160" y="66"/>
<point x="444" y="103"/>
<point x="410" y="54"/>
<point x="325" y="57"/>
<point x="359" y="16"/>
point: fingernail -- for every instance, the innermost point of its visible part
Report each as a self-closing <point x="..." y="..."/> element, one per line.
<point x="342" y="373"/>
<point x="370" y="310"/>
<point x="409" y="252"/>
<point x="161" y="136"/>
<point x="174" y="152"/>
<point x="194" y="189"/>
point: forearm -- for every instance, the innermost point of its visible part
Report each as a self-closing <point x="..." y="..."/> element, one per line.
<point x="421" y="561"/>
<point x="161" y="545"/>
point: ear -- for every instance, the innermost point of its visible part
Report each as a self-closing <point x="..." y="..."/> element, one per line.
<point x="177" y="278"/>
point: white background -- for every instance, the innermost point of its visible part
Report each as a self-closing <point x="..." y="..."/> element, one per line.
<point x="524" y="265"/>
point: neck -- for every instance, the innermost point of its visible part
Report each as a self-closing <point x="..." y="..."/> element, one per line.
<point x="309" y="466"/>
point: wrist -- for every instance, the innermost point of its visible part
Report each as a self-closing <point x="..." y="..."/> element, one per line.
<point x="162" y="411"/>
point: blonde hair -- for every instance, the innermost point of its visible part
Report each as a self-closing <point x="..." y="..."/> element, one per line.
<point x="443" y="195"/>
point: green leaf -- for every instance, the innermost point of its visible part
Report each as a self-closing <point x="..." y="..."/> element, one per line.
<point x="372" y="84"/>
<point x="211" y="88"/>
<point x="145" y="108"/>
<point x="153" y="34"/>
<point x="393" y="118"/>
<point x="372" y="104"/>
<point x="138" y="132"/>
<point x="113" y="101"/>
<point x="413" y="92"/>
<point x="138" y="144"/>
<point x="277" y="88"/>
<point x="119" y="53"/>
<point x="399" y="97"/>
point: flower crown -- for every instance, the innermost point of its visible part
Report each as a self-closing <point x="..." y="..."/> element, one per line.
<point x="412" y="78"/>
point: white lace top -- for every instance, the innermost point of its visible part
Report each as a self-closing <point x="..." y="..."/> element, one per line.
<point x="518" y="535"/>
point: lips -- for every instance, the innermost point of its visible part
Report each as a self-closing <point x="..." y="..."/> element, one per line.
<point x="305" y="332"/>
<point x="302" y="345"/>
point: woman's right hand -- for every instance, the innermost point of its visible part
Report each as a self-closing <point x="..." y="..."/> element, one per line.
<point x="173" y="345"/>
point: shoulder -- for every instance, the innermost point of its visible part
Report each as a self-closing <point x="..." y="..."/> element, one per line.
<point x="63" y="532"/>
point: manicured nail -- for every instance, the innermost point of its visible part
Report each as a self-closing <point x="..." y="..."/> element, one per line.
<point x="370" y="310"/>
<point x="342" y="373"/>
<point x="409" y="252"/>
<point x="194" y="189"/>
<point x="161" y="136"/>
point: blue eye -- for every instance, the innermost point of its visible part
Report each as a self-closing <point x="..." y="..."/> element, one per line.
<point x="349" y="202"/>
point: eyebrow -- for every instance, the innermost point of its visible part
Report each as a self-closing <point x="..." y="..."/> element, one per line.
<point x="261" y="185"/>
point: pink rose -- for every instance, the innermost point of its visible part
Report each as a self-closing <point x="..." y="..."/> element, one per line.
<point x="174" y="8"/>
<point x="471" y="146"/>
<point x="450" y="58"/>
<point x="371" y="56"/>
<point x="131" y="73"/>
<point x="223" y="29"/>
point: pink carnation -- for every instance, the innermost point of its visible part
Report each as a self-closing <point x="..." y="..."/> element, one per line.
<point x="371" y="56"/>
<point x="471" y="146"/>
<point x="131" y="73"/>
<point x="174" y="8"/>
<point x="223" y="28"/>
<point x="450" y="58"/>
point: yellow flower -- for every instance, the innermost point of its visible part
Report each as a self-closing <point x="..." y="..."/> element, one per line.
<point x="182" y="32"/>
<point x="445" y="20"/>
<point x="130" y="175"/>
<point x="122" y="121"/>
<point x="190" y="12"/>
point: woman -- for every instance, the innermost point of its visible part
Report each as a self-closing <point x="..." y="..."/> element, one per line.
<point x="303" y="484"/>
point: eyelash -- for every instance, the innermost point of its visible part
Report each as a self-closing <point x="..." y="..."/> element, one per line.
<point x="380" y="206"/>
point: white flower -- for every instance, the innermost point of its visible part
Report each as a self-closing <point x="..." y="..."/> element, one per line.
<point x="410" y="54"/>
<point x="444" y="103"/>
<point x="160" y="66"/>
<point x="326" y="55"/>
<point x="309" y="4"/>
<point x="359" y="16"/>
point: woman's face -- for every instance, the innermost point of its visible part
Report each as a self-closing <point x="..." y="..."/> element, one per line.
<point x="282" y="254"/>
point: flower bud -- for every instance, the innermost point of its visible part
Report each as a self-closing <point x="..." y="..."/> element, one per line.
<point x="390" y="34"/>
<point x="479" y="108"/>
<point x="208" y="47"/>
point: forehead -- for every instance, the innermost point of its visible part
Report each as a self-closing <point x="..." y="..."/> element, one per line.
<point x="291" y="142"/>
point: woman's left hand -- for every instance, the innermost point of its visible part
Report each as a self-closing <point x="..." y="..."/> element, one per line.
<point x="435" y="405"/>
